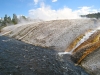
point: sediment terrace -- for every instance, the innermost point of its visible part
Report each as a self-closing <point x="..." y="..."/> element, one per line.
<point x="57" y="34"/>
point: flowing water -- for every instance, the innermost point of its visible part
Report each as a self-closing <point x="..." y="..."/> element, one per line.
<point x="19" y="58"/>
<point x="85" y="37"/>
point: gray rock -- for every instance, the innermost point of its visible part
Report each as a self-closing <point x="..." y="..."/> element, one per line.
<point x="92" y="63"/>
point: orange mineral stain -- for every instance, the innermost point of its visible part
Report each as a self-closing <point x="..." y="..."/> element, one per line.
<point x="85" y="48"/>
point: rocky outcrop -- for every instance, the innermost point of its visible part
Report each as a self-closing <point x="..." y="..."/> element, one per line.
<point x="87" y="54"/>
<point x="91" y="63"/>
<point x="87" y="47"/>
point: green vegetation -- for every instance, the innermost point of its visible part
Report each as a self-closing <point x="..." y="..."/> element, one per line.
<point x="93" y="15"/>
<point x="7" y="20"/>
<point x="14" y="19"/>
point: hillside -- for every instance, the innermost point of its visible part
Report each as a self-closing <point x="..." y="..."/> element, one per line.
<point x="57" y="34"/>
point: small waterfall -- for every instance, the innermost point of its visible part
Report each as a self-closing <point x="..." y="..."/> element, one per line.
<point x="85" y="37"/>
<point x="62" y="53"/>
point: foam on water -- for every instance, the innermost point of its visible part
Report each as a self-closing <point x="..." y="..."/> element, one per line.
<point x="62" y="53"/>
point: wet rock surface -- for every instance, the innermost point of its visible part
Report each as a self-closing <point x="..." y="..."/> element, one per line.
<point x="92" y="62"/>
<point x="19" y="58"/>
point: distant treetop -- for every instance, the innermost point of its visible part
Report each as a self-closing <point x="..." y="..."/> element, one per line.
<point x="92" y="15"/>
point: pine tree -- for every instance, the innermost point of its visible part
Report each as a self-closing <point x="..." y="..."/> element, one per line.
<point x="15" y="19"/>
<point x="0" y="21"/>
<point x="5" y="18"/>
<point x="9" y="20"/>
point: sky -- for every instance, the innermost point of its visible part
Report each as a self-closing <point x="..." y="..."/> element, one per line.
<point x="49" y="9"/>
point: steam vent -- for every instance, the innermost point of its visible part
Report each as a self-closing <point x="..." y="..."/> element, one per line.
<point x="78" y="37"/>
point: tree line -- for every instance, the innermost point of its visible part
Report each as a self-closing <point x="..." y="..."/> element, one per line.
<point x="7" y="20"/>
<point x="92" y="15"/>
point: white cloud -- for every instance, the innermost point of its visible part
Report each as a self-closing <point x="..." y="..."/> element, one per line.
<point x="46" y="13"/>
<point x="36" y="1"/>
<point x="54" y="0"/>
<point x="87" y="10"/>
